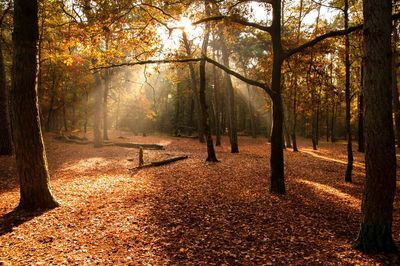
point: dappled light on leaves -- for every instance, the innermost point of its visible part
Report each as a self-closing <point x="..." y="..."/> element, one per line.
<point x="336" y="193"/>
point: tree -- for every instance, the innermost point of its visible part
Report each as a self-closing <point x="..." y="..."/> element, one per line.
<point x="202" y="94"/>
<point x="349" y="169"/>
<point x="380" y="159"/>
<point x="28" y="141"/>
<point x="5" y="126"/>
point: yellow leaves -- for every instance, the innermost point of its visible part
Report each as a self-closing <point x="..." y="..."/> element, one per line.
<point x="68" y="61"/>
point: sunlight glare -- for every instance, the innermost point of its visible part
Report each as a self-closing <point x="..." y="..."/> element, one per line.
<point x="185" y="24"/>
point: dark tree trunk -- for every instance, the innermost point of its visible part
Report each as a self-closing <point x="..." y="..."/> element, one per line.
<point x="349" y="169"/>
<point x="29" y="148"/>
<point x="380" y="158"/>
<point x="314" y="131"/>
<point x="361" y="139"/>
<point x="294" y="125"/>
<point x="5" y="126"/>
<point x="277" y="164"/>
<point x="202" y="94"/>
<point x="293" y="131"/>
<point x="216" y="91"/>
<point x="230" y="95"/>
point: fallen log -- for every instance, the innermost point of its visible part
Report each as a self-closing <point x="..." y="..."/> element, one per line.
<point x="138" y="145"/>
<point x="69" y="140"/>
<point x="162" y="162"/>
<point x="186" y="137"/>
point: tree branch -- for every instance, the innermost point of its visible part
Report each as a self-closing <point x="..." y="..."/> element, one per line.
<point x="255" y="83"/>
<point x="234" y="19"/>
<point x="261" y="85"/>
<point x="325" y="36"/>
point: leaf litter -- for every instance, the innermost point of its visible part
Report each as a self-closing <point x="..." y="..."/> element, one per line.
<point x="189" y="212"/>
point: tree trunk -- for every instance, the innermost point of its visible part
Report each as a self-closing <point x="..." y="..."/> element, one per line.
<point x="29" y="148"/>
<point x="202" y="93"/>
<point x="216" y="74"/>
<point x="231" y="95"/>
<point x="349" y="169"/>
<point x="293" y="131"/>
<point x="277" y="164"/>
<point x="314" y="131"/>
<point x="98" y="140"/>
<point x="5" y="126"/>
<point x="195" y="93"/>
<point x="105" y="103"/>
<point x="361" y="139"/>
<point x="380" y="158"/>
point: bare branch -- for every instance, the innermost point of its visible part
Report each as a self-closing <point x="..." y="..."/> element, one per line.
<point x="264" y="86"/>
<point x="325" y="36"/>
<point x="255" y="83"/>
<point x="234" y="19"/>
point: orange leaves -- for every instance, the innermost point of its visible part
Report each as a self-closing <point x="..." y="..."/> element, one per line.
<point x="190" y="212"/>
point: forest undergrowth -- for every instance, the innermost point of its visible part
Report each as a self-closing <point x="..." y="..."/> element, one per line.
<point x="189" y="212"/>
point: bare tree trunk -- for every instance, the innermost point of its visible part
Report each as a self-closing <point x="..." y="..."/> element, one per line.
<point x="195" y="93"/>
<point x="98" y="140"/>
<point x="380" y="156"/>
<point x="217" y="88"/>
<point x="29" y="148"/>
<point x="105" y="103"/>
<point x="231" y="95"/>
<point x="349" y="169"/>
<point x="361" y="139"/>
<point x="277" y="161"/>
<point x="205" y="123"/>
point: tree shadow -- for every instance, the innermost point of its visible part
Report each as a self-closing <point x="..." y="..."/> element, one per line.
<point x="225" y="217"/>
<point x="16" y="218"/>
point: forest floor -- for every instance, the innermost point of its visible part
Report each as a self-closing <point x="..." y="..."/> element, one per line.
<point x="189" y="212"/>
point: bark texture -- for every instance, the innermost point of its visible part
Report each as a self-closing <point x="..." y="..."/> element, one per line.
<point x="277" y="165"/>
<point x="380" y="184"/>
<point x="211" y="156"/>
<point x="29" y="147"/>
<point x="349" y="169"/>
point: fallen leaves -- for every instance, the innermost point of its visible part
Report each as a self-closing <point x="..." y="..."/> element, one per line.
<point x="188" y="212"/>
